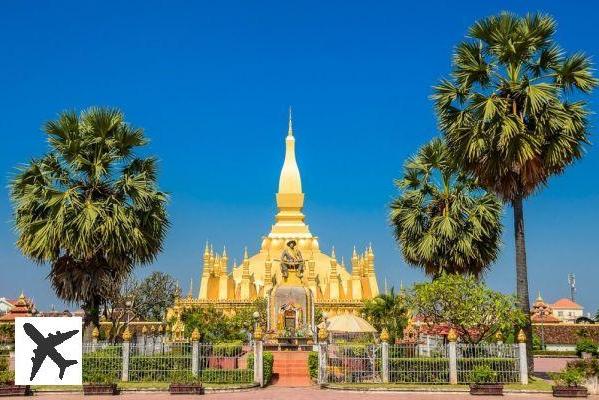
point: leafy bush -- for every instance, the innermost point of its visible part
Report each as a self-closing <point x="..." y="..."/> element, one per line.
<point x="158" y="367"/>
<point x="3" y="363"/>
<point x="589" y="367"/>
<point x="585" y="345"/>
<point x="436" y="369"/>
<point x="98" y="378"/>
<point x="313" y="364"/>
<point x="267" y="366"/>
<point x="554" y="353"/>
<point x="184" y="377"/>
<point x="227" y="349"/>
<point x="106" y="361"/>
<point x="7" y="377"/>
<point x="568" y="377"/>
<point x="212" y="375"/>
<point x="483" y="374"/>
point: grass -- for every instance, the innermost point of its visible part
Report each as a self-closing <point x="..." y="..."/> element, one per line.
<point x="535" y="384"/>
<point x="140" y="386"/>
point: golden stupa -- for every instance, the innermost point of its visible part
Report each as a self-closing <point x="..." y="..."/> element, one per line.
<point x="333" y="289"/>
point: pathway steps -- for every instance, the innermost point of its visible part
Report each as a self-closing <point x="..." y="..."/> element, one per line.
<point x="290" y="369"/>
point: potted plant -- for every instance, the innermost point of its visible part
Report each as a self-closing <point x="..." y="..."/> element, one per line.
<point x="185" y="383"/>
<point x="484" y="382"/>
<point x="585" y="348"/>
<point x="567" y="383"/>
<point x="8" y="387"/>
<point x="99" y="384"/>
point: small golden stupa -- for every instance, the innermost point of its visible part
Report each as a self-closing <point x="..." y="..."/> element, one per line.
<point x="328" y="284"/>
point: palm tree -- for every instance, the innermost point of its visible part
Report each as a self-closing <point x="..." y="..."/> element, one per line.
<point x="443" y="221"/>
<point x="90" y="208"/>
<point x="387" y="310"/>
<point x="512" y="113"/>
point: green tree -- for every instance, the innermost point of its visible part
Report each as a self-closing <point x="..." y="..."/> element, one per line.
<point x="475" y="311"/>
<point x="154" y="295"/>
<point x="444" y="221"/>
<point x="90" y="207"/>
<point x="513" y="115"/>
<point x="387" y="310"/>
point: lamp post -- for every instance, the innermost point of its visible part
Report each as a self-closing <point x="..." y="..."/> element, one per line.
<point x="256" y="316"/>
<point x="542" y="314"/>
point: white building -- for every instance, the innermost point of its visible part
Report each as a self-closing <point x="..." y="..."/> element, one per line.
<point x="566" y="310"/>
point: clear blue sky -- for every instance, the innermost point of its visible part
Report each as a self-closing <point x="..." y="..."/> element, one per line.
<point x="211" y="83"/>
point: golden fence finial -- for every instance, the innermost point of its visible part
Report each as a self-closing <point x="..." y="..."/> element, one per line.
<point x="195" y="335"/>
<point x="258" y="334"/>
<point x="127" y="335"/>
<point x="385" y="335"/>
<point x="452" y="336"/>
<point x="521" y="336"/>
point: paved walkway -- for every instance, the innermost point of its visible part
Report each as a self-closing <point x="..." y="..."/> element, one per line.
<point x="312" y="393"/>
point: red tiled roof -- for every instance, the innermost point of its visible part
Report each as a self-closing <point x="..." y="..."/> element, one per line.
<point x="545" y="319"/>
<point x="566" y="304"/>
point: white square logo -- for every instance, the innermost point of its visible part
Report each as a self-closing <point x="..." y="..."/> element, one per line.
<point x="48" y="351"/>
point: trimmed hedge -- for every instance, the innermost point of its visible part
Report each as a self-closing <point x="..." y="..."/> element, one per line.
<point x="436" y="370"/>
<point x="267" y="366"/>
<point x="313" y="364"/>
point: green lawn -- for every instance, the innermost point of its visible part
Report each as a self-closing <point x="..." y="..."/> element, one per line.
<point x="142" y="386"/>
<point x="535" y="384"/>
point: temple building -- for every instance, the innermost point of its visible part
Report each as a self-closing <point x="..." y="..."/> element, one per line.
<point x="289" y="269"/>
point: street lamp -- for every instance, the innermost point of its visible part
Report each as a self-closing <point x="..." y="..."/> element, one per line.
<point x="542" y="314"/>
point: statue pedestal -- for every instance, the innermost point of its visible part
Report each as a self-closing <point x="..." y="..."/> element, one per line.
<point x="292" y="279"/>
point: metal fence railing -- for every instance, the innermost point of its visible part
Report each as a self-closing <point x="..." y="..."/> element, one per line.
<point x="6" y="347"/>
<point x="102" y="359"/>
<point x="411" y="363"/>
<point x="227" y="362"/>
<point x="354" y="363"/>
<point x="164" y="361"/>
<point x="423" y="363"/>
<point x="159" y="362"/>
<point x="501" y="358"/>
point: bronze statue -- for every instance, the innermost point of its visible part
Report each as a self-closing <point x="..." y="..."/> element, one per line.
<point x="292" y="259"/>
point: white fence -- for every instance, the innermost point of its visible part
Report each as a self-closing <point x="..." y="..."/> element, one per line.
<point x="419" y="364"/>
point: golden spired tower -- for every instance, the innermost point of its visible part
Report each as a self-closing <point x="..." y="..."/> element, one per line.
<point x="328" y="283"/>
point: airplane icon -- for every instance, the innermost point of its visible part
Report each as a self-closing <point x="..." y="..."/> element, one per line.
<point x="46" y="348"/>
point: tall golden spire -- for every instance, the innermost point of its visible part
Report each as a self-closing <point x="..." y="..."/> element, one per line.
<point x="290" y="198"/>
<point x="290" y="180"/>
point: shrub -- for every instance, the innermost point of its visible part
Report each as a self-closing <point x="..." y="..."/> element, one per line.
<point x="184" y="377"/>
<point x="157" y="367"/>
<point x="227" y="349"/>
<point x="98" y="378"/>
<point x="212" y="375"/>
<point x="568" y="377"/>
<point x="3" y="363"/>
<point x="313" y="364"/>
<point x="589" y="367"/>
<point x="106" y="361"/>
<point x="7" y="377"/>
<point x="267" y="366"/>
<point x="585" y="345"/>
<point x="483" y="374"/>
<point x="436" y="369"/>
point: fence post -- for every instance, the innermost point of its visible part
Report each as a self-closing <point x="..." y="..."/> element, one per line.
<point x="126" y="348"/>
<point x="11" y="361"/>
<point x="322" y="356"/>
<point x="385" y="355"/>
<point x="258" y="356"/>
<point x="523" y="361"/>
<point x="195" y="351"/>
<point x="453" y="357"/>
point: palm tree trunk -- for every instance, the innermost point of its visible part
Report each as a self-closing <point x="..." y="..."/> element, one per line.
<point x="522" y="275"/>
